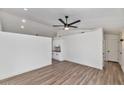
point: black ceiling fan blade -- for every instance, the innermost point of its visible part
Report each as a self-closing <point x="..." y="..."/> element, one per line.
<point x="62" y="21"/>
<point x="74" y="22"/>
<point x="73" y="26"/>
<point x="58" y="25"/>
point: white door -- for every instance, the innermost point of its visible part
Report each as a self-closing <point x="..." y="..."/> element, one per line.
<point x="112" y="48"/>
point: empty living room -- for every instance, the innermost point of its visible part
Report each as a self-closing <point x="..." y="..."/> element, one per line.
<point x="62" y="46"/>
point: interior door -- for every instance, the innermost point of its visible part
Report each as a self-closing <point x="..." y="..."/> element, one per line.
<point x="112" y="48"/>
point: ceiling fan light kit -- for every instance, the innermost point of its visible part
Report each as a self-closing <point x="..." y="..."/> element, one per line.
<point x="66" y="28"/>
<point x="67" y="25"/>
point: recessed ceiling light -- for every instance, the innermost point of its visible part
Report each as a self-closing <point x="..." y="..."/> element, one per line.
<point x="26" y="9"/>
<point x="23" y="20"/>
<point x="22" y="27"/>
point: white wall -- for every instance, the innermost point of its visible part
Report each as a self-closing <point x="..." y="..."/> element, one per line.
<point x="21" y="53"/>
<point x="84" y="48"/>
<point x="0" y="22"/>
<point x="0" y="27"/>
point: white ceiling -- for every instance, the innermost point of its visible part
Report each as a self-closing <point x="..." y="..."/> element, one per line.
<point x="40" y="20"/>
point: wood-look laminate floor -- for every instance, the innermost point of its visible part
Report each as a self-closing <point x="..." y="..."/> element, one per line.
<point x="60" y="73"/>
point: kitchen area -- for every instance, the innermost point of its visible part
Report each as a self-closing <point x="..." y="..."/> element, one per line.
<point x="58" y="49"/>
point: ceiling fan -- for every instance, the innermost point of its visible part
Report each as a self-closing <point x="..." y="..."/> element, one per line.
<point x="67" y="25"/>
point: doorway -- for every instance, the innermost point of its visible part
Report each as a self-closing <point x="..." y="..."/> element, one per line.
<point x="112" y="47"/>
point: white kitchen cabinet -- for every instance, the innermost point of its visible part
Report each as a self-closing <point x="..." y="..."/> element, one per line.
<point x="57" y="56"/>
